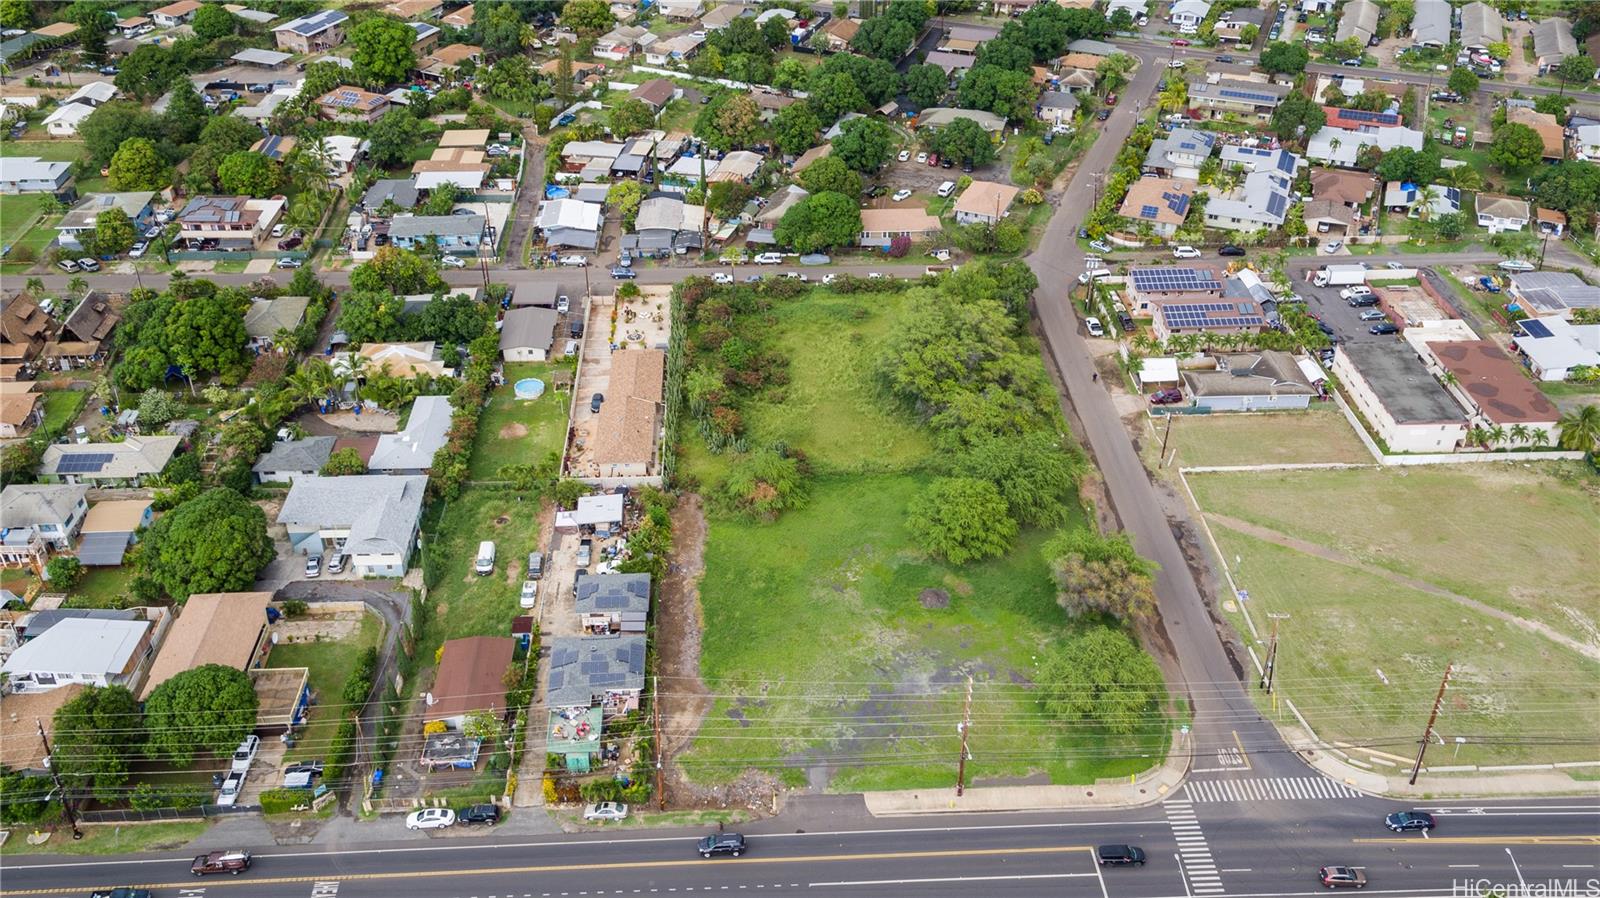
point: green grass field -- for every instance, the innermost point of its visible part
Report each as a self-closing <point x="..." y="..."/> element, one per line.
<point x="1515" y="697"/>
<point x="464" y="604"/>
<point x="18" y="215"/>
<point x="48" y="150"/>
<point x="330" y="663"/>
<point x="103" y="587"/>
<point x="110" y="839"/>
<point x="1518" y="538"/>
<point x="61" y="408"/>
<point x="520" y="431"/>
<point x="1318" y="435"/>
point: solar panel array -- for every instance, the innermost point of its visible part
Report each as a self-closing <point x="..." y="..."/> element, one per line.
<point x="1277" y="204"/>
<point x="1177" y="202"/>
<point x="83" y="463"/>
<point x="1362" y="115"/>
<point x="1533" y="327"/>
<point x="1211" y="314"/>
<point x="1148" y="211"/>
<point x="1175" y="279"/>
<point x="1287" y="162"/>
<point x="1248" y="95"/>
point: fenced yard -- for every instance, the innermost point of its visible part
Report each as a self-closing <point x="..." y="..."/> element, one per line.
<point x="1318" y="435"/>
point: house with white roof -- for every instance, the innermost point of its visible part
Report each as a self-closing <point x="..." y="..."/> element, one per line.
<point x="1180" y="153"/>
<point x="1586" y="142"/>
<point x="1430" y="24"/>
<point x="50" y="512"/>
<point x="411" y="450"/>
<point x="600" y="512"/>
<point x="30" y="174"/>
<point x="569" y="222"/>
<point x="1186" y="15"/>
<point x="1552" y="347"/>
<point x="1342" y="146"/>
<point x="1262" y="201"/>
<point x="84" y="651"/>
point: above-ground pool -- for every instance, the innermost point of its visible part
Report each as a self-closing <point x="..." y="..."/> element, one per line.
<point x="529" y="388"/>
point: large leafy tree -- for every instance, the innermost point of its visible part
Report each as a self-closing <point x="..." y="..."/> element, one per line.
<point x="1034" y="473"/>
<point x="109" y="126"/>
<point x="138" y="166"/>
<point x="884" y="37"/>
<point x="370" y="316"/>
<point x="395" y="270"/>
<point x="1576" y="69"/>
<point x="392" y="135"/>
<point x="448" y="320"/>
<point x="186" y="114"/>
<point x="205" y="332"/>
<point x="215" y="542"/>
<point x="631" y="117"/>
<point x="113" y="232"/>
<point x="151" y="70"/>
<point x="926" y="85"/>
<point x="512" y="78"/>
<point x="864" y="144"/>
<point x="249" y="173"/>
<point x="961" y="519"/>
<point x="1572" y="187"/>
<point x="1103" y="678"/>
<point x="1420" y="167"/>
<point x="499" y="27"/>
<point x="207" y="708"/>
<point x="16" y="13"/>
<point x="1284" y="59"/>
<point x="1003" y="92"/>
<point x="738" y="123"/>
<point x="1297" y="118"/>
<point x="211" y="21"/>
<point x="965" y="139"/>
<point x="383" y="49"/>
<point x="830" y="174"/>
<point x="834" y="95"/>
<point x="1515" y="146"/>
<point x="1463" y="81"/>
<point x="820" y="221"/>
<point x="1101" y="575"/>
<point x="587" y="17"/>
<point x="794" y="128"/>
<point x="94" y="739"/>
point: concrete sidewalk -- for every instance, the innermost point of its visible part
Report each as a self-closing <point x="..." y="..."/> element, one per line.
<point x="1144" y="789"/>
<point x="1392" y="781"/>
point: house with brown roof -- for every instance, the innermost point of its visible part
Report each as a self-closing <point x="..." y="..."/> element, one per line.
<point x="20" y="411"/>
<point x="24" y="329"/>
<point x="1349" y="188"/>
<point x="625" y="429"/>
<point x="985" y="202"/>
<point x="1492" y="385"/>
<point x="226" y="628"/>
<point x="352" y="104"/>
<point x="83" y="335"/>
<point x="879" y="227"/>
<point x="1160" y="203"/>
<point x="444" y="62"/>
<point x="415" y="9"/>
<point x="837" y="34"/>
<point x="460" y="18"/>
<point x="1545" y="124"/>
<point x="656" y="93"/>
<point x="471" y="678"/>
<point x="25" y="714"/>
<point x="175" y="14"/>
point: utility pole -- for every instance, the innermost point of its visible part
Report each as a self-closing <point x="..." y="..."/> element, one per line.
<point x="966" y="727"/>
<point x="1164" y="435"/>
<point x="55" y="776"/>
<point x="1271" y="666"/>
<point x="655" y="708"/>
<point x="1427" y="731"/>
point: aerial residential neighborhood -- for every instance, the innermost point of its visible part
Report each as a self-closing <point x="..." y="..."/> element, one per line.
<point x="582" y="436"/>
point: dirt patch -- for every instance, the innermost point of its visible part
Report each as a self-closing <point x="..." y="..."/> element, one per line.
<point x="679" y="622"/>
<point x="513" y="431"/>
<point x="934" y="598"/>
<point x="502" y="520"/>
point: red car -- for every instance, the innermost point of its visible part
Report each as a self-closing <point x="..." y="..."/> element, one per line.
<point x="1166" y="397"/>
<point x="1111" y="99"/>
<point x="933" y="160"/>
<point x="1180" y="42"/>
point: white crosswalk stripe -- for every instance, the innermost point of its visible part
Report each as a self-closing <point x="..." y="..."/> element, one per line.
<point x="1199" y="868"/>
<point x="1283" y="788"/>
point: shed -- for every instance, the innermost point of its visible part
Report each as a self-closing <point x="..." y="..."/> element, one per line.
<point x="1158" y="372"/>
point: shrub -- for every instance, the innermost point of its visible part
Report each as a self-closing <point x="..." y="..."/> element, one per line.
<point x="283" y="801"/>
<point x="434" y="728"/>
<point x="293" y="608"/>
<point x="64" y="572"/>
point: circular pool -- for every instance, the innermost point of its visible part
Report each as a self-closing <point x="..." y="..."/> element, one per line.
<point x="529" y="388"/>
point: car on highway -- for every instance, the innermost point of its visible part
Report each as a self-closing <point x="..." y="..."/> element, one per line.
<point x="430" y="818"/>
<point x="1166" y="397"/>
<point x="1515" y="265"/>
<point x="606" y="810"/>
<point x="1409" y="821"/>
<point x="245" y="754"/>
<point x="1185" y="252"/>
<point x="480" y="815"/>
<point x="1120" y="855"/>
<point x="1383" y="330"/>
<point x="453" y="262"/>
<point x="722" y="277"/>
<point x="901" y="195"/>
<point x="722" y="843"/>
<point x="233" y="861"/>
<point x="289" y="262"/>
<point x="1180" y="42"/>
<point x="1229" y="249"/>
<point x="1100" y="246"/>
<point x="120" y="892"/>
<point x="1373" y="315"/>
<point x="1343" y="877"/>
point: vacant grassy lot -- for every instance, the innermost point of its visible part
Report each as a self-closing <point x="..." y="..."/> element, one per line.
<point x="48" y="150"/>
<point x="1515" y="697"/>
<point x="18" y="214"/>
<point x="1518" y="538"/>
<point x="516" y="431"/>
<point x="61" y="408"/>
<point x="464" y="604"/>
<point x="1318" y="435"/>
<point x="329" y="664"/>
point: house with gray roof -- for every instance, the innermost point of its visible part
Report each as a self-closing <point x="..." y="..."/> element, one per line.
<point x="411" y="450"/>
<point x="1249" y="381"/>
<point x="314" y="33"/>
<point x="401" y="191"/>
<point x="266" y="317"/>
<point x="38" y="623"/>
<point x="289" y="460"/>
<point x="1215" y="96"/>
<point x="612" y="603"/>
<point x="527" y="333"/>
<point x="1179" y="154"/>
<point x="1262" y="201"/>
<point x="596" y="671"/>
<point x="1430" y="25"/>
<point x="376" y="517"/>
<point x="1553" y="42"/>
<point x="81" y="220"/>
<point x="1554" y="293"/>
<point x="126" y="463"/>
<point x="51" y="512"/>
<point x="1358" y="20"/>
<point x="1481" y="25"/>
<point x="454" y="233"/>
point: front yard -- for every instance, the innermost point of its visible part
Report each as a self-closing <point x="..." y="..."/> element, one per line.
<point x="516" y="431"/>
<point x="463" y="603"/>
<point x="329" y="663"/>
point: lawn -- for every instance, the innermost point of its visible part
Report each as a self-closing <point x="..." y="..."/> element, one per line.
<point x="520" y="431"/>
<point x="18" y="215"/>
<point x="1317" y="435"/>
<point x="61" y="408"/>
<point x="1361" y="657"/>
<point x="110" y="839"/>
<point x="103" y="587"/>
<point x="329" y="663"/>
<point x="1518" y="538"/>
<point x="48" y="150"/>
<point x="462" y="603"/>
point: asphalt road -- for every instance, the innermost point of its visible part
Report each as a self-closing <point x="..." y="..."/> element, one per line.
<point x="1251" y="849"/>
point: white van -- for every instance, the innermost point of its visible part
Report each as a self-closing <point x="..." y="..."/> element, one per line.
<point x="947" y="188"/>
<point x="485" y="563"/>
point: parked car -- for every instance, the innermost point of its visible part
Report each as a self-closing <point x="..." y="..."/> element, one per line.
<point x="246" y="753"/>
<point x="1383" y="330"/>
<point x="933" y="159"/>
<point x="1185" y="252"/>
<point x="483" y="563"/>
<point x="1343" y="877"/>
<point x="289" y="262"/>
<point x="480" y="815"/>
<point x="1166" y="397"/>
<point x="905" y="156"/>
<point x="278" y="229"/>
<point x="535" y="566"/>
<point x="430" y="818"/>
<point x="1102" y="115"/>
<point x="722" y="277"/>
<point x="575" y="261"/>
<point x="1100" y="246"/>
<point x="1355" y="291"/>
<point x="313" y="566"/>
<point x="1180" y="42"/>
<point x="137" y="250"/>
<point x="1394" y="266"/>
<point x="595" y="402"/>
<point x="228" y="796"/>
<point x="1229" y="249"/>
<point x="1373" y="315"/>
<point x="1119" y="855"/>
<point x="1093" y="326"/>
<point x="1332" y="246"/>
<point x="293" y="241"/>
<point x="453" y="262"/>
<point x="1409" y="821"/>
<point x="585" y="552"/>
<point x="68" y="266"/>
<point x="336" y="562"/>
<point x="606" y="810"/>
<point x="314" y="768"/>
<point x="829" y="278"/>
<point x="922" y="158"/>
<point x="234" y="861"/>
<point x="618" y="273"/>
<point x="901" y="195"/>
<point x="769" y="259"/>
<point x="88" y="264"/>
<point x="722" y="843"/>
<point x="530" y="594"/>
<point x="1363" y="302"/>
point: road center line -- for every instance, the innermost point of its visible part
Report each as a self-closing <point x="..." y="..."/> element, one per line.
<point x="902" y="882"/>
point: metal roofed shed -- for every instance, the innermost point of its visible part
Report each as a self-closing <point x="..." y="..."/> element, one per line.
<point x="592" y="511"/>
<point x="269" y="58"/>
<point x="449" y="750"/>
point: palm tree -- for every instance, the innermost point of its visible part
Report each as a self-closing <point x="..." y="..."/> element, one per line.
<point x="1580" y="429"/>
<point x="35" y="285"/>
<point x="1519" y="433"/>
<point x="1477" y="436"/>
<point x="77" y="286"/>
<point x="313" y="380"/>
<point x="1497" y="435"/>
<point x="1539" y="436"/>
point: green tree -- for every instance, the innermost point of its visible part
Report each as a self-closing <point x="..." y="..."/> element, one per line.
<point x="512" y="78"/>
<point x="1450" y="226"/>
<point x="626" y="197"/>
<point x="818" y="222"/>
<point x="884" y="37"/>
<point x="864" y="144"/>
<point x="137" y="166"/>
<point x="790" y="74"/>
<point x="383" y="49"/>
<point x="16" y="14"/>
<point x="795" y="129"/>
<point x="1101" y="677"/>
<point x="396" y="271"/>
<point x="499" y="28"/>
<point x="1515" y="146"/>
<point x="1463" y="81"/>
<point x="205" y="332"/>
<point x="1575" y="69"/>
<point x="1248" y="35"/>
<point x="631" y="117"/>
<point x="63" y="572"/>
<point x="157" y="407"/>
<point x="587" y="17"/>
<point x="249" y="173"/>
<point x="760" y="485"/>
<point x="186" y="113"/>
<point x="1101" y="575"/>
<point x="207" y="708"/>
<point x="966" y="140"/>
<point x="1001" y="91"/>
<point x="113" y="124"/>
<point x="1284" y="59"/>
<point x="212" y="21"/>
<point x="738" y="123"/>
<point x="834" y="95"/>
<point x="1580" y="429"/>
<point x="481" y="725"/>
<point x="216" y="542"/>
<point x="926" y="85"/>
<point x="1572" y="186"/>
<point x="1297" y="118"/>
<point x="95" y="738"/>
<point x="113" y="232"/>
<point x="830" y="175"/>
<point x="441" y="200"/>
<point x="1036" y="476"/>
<point x="370" y="316"/>
<point x="93" y="26"/>
<point x="393" y="135"/>
<point x="961" y="519"/>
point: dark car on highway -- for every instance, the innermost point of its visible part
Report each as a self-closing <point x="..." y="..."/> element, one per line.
<point x="722" y="843"/>
<point x="1409" y="821"/>
<point x="1119" y="855"/>
<point x="234" y="862"/>
<point x="120" y="892"/>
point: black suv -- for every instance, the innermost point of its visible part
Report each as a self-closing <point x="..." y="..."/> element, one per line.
<point x="1406" y="821"/>
<point x="722" y="843"/>
<point x="486" y="814"/>
<point x="1119" y="855"/>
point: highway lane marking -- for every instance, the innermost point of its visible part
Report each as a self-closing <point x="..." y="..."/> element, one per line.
<point x="1244" y="755"/>
<point x="417" y="849"/>
<point x="1493" y="840"/>
<point x="576" y="868"/>
<point x="906" y="882"/>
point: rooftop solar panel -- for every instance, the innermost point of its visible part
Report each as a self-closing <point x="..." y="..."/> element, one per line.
<point x="1148" y="211"/>
<point x="83" y="463"/>
<point x="1533" y="327"/>
<point x="1277" y="204"/>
